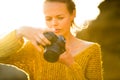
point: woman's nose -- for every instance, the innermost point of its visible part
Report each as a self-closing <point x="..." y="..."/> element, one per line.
<point x="54" y="22"/>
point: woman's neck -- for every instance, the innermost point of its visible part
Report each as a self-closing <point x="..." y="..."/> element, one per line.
<point x="70" y="40"/>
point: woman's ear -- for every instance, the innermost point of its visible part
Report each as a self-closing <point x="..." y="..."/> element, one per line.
<point x="73" y="15"/>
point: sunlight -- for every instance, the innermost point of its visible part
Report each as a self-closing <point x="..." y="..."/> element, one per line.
<point x="17" y="13"/>
<point x="86" y="10"/>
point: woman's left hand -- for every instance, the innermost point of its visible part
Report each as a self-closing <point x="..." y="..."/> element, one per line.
<point x="66" y="58"/>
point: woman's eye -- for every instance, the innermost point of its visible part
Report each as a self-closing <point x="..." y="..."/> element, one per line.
<point x="48" y="19"/>
<point x="60" y="18"/>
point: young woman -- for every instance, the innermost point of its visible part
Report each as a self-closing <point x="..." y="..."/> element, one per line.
<point x="80" y="61"/>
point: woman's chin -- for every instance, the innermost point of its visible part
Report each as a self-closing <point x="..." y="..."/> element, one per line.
<point x="58" y="33"/>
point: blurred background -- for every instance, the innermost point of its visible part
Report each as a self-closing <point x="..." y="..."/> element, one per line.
<point x="103" y="29"/>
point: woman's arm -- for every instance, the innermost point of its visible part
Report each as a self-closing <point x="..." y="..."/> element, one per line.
<point x="74" y="71"/>
<point x="93" y="69"/>
<point x="10" y="44"/>
<point x="34" y="35"/>
<point x="13" y="42"/>
<point x="87" y="66"/>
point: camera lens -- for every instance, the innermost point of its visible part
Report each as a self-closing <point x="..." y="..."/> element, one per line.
<point x="57" y="47"/>
<point x="51" y="56"/>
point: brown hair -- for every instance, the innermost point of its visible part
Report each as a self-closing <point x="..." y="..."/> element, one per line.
<point x="70" y="4"/>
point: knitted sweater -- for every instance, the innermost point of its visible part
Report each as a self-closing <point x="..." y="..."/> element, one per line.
<point x="87" y="64"/>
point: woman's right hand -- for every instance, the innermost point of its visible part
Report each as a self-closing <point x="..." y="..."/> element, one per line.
<point x="35" y="35"/>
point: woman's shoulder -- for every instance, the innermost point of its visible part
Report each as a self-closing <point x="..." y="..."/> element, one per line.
<point x="86" y="46"/>
<point x="89" y="43"/>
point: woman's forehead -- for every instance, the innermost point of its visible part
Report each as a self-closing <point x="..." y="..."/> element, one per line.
<point x="55" y="7"/>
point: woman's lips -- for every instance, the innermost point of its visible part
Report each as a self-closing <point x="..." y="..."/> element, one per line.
<point x="57" y="30"/>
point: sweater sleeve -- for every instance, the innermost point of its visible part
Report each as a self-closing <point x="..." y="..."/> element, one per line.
<point x="94" y="67"/>
<point x="88" y="68"/>
<point x="10" y="44"/>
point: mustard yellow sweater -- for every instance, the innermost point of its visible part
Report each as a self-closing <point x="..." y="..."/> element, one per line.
<point x="87" y="64"/>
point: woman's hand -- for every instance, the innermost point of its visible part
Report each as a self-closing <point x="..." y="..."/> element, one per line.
<point x="35" y="35"/>
<point x="66" y="58"/>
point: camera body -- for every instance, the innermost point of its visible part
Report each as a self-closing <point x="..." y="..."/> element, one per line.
<point x="57" y="47"/>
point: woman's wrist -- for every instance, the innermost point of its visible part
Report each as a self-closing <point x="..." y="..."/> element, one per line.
<point x="70" y="63"/>
<point x="73" y="64"/>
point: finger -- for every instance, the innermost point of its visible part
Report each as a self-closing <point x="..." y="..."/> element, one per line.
<point x="39" y="41"/>
<point x="62" y="57"/>
<point x="44" y="39"/>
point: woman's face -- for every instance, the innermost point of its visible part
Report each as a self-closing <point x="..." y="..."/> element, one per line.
<point x="58" y="17"/>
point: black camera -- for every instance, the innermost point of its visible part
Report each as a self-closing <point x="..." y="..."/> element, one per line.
<point x="57" y="47"/>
